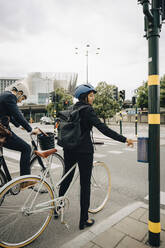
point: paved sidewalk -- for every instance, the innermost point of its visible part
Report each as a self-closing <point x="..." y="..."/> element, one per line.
<point x="125" y="229"/>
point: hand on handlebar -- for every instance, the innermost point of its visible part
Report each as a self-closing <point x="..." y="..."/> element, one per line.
<point x="36" y="131"/>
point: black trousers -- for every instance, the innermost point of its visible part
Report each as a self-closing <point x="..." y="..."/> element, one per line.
<point x="17" y="144"/>
<point x="85" y="163"/>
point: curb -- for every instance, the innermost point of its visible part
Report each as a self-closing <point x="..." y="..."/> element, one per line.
<point x="87" y="236"/>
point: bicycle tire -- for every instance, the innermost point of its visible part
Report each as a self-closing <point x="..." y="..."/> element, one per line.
<point x="100" y="187"/>
<point x="2" y="182"/>
<point x="57" y="166"/>
<point x="22" y="220"/>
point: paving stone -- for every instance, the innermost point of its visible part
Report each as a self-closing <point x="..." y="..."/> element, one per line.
<point x="133" y="228"/>
<point x="89" y="245"/>
<point x="109" y="238"/>
<point x="138" y="213"/>
<point x="144" y="217"/>
<point x="129" y="242"/>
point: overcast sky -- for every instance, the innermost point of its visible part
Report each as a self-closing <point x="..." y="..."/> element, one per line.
<point x="41" y="36"/>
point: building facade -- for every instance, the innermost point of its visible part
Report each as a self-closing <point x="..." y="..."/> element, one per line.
<point x="7" y="81"/>
<point x="40" y="85"/>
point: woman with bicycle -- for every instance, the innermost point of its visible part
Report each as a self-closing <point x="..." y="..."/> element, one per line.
<point x="9" y="112"/>
<point x="83" y="153"/>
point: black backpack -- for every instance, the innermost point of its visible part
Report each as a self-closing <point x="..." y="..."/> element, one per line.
<point x="69" y="130"/>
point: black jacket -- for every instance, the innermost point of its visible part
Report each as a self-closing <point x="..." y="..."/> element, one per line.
<point x="9" y="108"/>
<point x="88" y="119"/>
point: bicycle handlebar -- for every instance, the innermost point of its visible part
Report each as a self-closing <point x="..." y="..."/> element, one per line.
<point x="41" y="131"/>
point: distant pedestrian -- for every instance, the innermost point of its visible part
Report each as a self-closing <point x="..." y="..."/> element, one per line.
<point x="83" y="153"/>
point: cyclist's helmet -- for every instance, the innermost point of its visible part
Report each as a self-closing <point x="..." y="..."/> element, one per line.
<point x="20" y="86"/>
<point x="83" y="89"/>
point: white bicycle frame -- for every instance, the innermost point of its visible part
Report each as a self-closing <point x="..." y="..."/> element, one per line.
<point x="59" y="201"/>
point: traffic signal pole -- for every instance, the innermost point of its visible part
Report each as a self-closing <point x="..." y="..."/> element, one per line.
<point x="136" y="120"/>
<point x="152" y="28"/>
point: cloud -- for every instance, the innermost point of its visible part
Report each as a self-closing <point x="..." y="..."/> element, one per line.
<point x="40" y="35"/>
<point x="19" y="18"/>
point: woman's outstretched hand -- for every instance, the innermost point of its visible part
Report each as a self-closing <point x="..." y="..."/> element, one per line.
<point x="130" y="142"/>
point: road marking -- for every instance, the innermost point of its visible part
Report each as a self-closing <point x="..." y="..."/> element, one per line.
<point x="97" y="155"/>
<point x="11" y="154"/>
<point x="129" y="149"/>
<point x="162" y="198"/>
<point x="110" y="143"/>
<point x="115" y="152"/>
<point x="54" y="165"/>
<point x="11" y="165"/>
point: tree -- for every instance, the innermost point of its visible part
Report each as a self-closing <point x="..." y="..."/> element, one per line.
<point x="104" y="104"/>
<point x="61" y="97"/>
<point x="142" y="96"/>
<point x="162" y="91"/>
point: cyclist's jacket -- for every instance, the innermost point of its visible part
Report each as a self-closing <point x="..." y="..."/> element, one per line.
<point x="9" y="111"/>
<point x="88" y="119"/>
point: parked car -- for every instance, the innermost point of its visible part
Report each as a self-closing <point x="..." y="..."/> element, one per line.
<point x="46" y="120"/>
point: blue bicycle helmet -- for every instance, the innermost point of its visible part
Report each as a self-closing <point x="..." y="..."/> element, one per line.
<point x="82" y="89"/>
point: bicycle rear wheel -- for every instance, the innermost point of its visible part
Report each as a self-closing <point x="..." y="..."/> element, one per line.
<point x="22" y="218"/>
<point x="100" y="187"/>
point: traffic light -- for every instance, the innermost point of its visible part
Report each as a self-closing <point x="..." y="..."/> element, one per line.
<point x="52" y="96"/>
<point x="115" y="93"/>
<point x="162" y="6"/>
<point x="133" y="100"/>
<point x="122" y="94"/>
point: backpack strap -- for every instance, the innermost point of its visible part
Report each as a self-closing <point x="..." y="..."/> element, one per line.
<point x="82" y="107"/>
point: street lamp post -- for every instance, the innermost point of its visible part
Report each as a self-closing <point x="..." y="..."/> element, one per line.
<point x="87" y="59"/>
<point x="87" y="63"/>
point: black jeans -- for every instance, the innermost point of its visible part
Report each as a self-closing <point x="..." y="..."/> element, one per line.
<point x="16" y="143"/>
<point x="85" y="163"/>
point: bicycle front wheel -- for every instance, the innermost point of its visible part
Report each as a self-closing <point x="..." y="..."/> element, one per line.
<point x="23" y="217"/>
<point x="2" y="182"/>
<point x="100" y="187"/>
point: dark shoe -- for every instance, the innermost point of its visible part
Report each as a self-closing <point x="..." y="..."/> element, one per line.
<point x="86" y="223"/>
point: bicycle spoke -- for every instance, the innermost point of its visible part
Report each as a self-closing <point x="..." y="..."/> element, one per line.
<point x="100" y="187"/>
<point x="20" y="211"/>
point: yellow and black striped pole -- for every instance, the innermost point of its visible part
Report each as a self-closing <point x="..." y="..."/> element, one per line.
<point x="121" y="123"/>
<point x="154" y="126"/>
<point x="152" y="29"/>
<point x="154" y="160"/>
